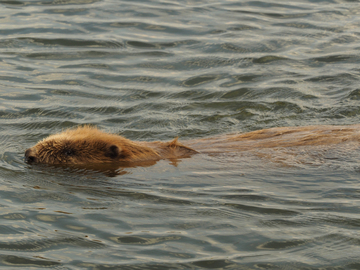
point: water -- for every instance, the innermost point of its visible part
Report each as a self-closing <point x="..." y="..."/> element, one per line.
<point x="153" y="70"/>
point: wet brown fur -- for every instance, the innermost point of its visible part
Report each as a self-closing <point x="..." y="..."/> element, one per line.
<point x="87" y="144"/>
<point x="90" y="145"/>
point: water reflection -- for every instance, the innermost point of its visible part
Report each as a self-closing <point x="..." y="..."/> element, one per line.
<point x="154" y="70"/>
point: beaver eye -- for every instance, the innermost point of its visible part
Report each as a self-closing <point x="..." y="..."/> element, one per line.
<point x="69" y="152"/>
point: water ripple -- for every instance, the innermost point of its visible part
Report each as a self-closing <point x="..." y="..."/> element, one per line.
<point x="154" y="70"/>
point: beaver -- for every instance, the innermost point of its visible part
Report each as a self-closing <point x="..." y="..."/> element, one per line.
<point x="87" y="144"/>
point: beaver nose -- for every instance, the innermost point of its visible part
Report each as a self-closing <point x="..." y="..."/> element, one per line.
<point x="29" y="158"/>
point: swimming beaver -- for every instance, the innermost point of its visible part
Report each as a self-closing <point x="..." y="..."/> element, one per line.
<point x="84" y="145"/>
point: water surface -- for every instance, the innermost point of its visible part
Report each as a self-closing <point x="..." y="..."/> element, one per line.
<point x="153" y="70"/>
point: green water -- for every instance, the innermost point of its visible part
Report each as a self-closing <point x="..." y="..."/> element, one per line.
<point x="153" y="70"/>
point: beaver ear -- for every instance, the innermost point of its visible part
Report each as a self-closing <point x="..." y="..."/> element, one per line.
<point x="112" y="151"/>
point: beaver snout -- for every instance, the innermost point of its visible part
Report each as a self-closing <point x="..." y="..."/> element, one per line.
<point x="29" y="156"/>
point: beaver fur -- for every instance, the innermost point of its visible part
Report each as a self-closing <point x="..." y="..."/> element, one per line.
<point x="86" y="144"/>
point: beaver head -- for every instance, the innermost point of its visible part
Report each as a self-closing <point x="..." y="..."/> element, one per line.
<point x="85" y="145"/>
